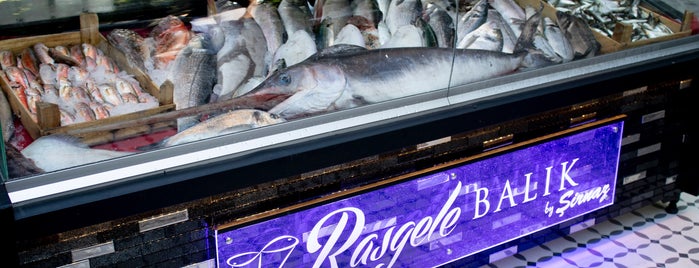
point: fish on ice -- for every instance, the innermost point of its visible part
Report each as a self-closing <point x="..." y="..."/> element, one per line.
<point x="43" y="152"/>
<point x="228" y="122"/>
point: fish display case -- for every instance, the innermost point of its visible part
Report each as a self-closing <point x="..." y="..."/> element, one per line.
<point x="541" y="151"/>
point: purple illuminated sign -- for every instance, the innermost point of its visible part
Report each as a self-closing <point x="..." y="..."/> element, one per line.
<point x="436" y="218"/>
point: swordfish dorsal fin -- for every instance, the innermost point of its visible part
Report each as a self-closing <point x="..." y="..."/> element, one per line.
<point x="339" y="49"/>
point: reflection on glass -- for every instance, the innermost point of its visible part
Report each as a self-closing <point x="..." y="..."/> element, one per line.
<point x="249" y="66"/>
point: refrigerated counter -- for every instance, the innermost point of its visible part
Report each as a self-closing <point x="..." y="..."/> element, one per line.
<point x="174" y="206"/>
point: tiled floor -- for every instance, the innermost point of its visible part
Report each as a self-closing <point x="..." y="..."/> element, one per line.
<point x="647" y="237"/>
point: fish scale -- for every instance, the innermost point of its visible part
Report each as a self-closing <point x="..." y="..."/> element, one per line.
<point x="194" y="75"/>
<point x="131" y="44"/>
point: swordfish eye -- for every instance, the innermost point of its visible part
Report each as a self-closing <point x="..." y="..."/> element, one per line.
<point x="284" y="79"/>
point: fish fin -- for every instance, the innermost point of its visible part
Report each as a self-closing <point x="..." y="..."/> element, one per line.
<point x="278" y="65"/>
<point x="533" y="57"/>
<point x="152" y="146"/>
<point x="65" y="138"/>
<point x="237" y="128"/>
<point x="339" y="49"/>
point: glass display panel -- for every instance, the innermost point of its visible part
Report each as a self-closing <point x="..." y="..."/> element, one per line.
<point x="244" y="76"/>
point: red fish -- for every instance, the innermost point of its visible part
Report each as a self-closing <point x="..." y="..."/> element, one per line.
<point x="7" y="58"/>
<point x="171" y="35"/>
<point x="27" y="60"/>
<point x="42" y="53"/>
<point x="101" y="111"/>
<point x="76" y="53"/>
<point x="18" y="82"/>
<point x="84" y="110"/>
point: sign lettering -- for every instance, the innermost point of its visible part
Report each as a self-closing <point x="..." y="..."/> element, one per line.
<point x="437" y="218"/>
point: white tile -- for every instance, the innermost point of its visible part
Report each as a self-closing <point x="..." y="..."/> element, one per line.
<point x="645" y="243"/>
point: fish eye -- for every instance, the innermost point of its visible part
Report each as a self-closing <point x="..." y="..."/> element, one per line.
<point x="284" y="79"/>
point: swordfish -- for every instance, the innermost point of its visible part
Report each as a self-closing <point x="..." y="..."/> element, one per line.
<point x="347" y="76"/>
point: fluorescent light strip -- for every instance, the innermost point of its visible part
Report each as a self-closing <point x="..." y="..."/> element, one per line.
<point x="193" y="157"/>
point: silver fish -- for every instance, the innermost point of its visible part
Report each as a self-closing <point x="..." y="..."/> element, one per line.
<point x="241" y="57"/>
<point x="326" y="33"/>
<point x="193" y="75"/>
<point x="296" y="15"/>
<point x="580" y="35"/>
<point x="334" y="12"/>
<point x="448" y="5"/>
<point x="402" y="12"/>
<point x="350" y="35"/>
<point x="558" y="41"/>
<point x="368" y="30"/>
<point x="255" y="44"/>
<point x="486" y="37"/>
<point x="406" y="36"/>
<point x="330" y="16"/>
<point x="72" y="152"/>
<point x="509" y="38"/>
<point x="349" y="76"/>
<point x="229" y="122"/>
<point x="472" y="19"/>
<point x="368" y="9"/>
<point x="511" y="12"/>
<point x="267" y="17"/>
<point x="132" y="45"/>
<point x="299" y="47"/>
<point x="539" y="55"/>
<point x="226" y="5"/>
<point x="442" y="24"/>
<point x="233" y="62"/>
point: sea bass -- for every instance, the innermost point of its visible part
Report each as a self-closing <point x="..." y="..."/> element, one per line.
<point x="229" y="122"/>
<point x="442" y="24"/>
<point x="349" y="76"/>
<point x="267" y="17"/>
<point x="132" y="45"/>
<point x="243" y="54"/>
<point x="193" y="74"/>
<point x="43" y="151"/>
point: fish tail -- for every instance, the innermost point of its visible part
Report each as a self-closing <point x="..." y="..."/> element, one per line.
<point x="152" y="146"/>
<point x="532" y="56"/>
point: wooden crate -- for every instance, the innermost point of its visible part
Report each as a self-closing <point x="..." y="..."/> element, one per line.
<point x="621" y="39"/>
<point x="622" y="31"/>
<point x="48" y="115"/>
